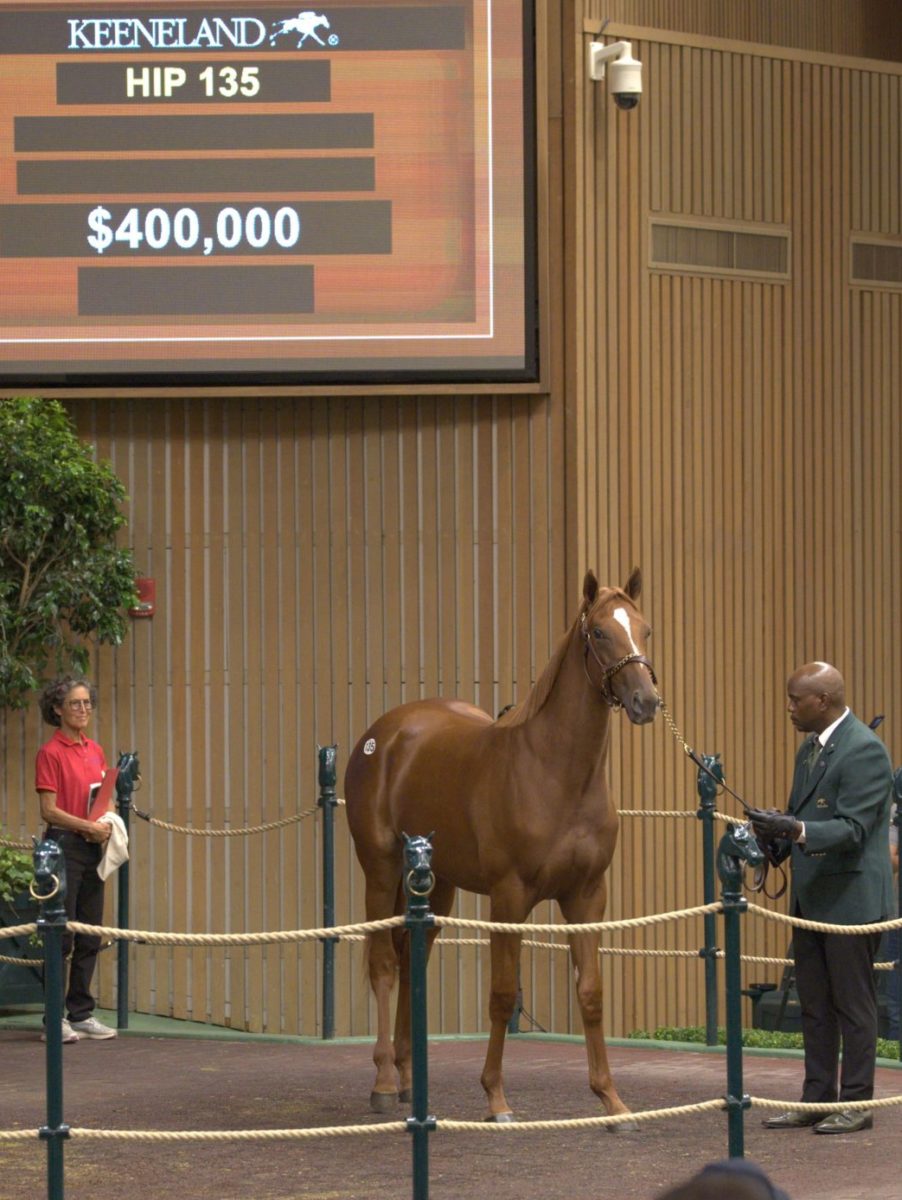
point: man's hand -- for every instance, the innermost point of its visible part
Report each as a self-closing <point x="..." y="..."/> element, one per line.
<point x="770" y="824"/>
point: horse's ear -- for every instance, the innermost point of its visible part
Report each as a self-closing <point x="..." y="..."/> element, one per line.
<point x="590" y="589"/>
<point x="634" y="584"/>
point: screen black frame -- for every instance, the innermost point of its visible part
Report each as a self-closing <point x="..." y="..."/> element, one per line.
<point x="245" y="376"/>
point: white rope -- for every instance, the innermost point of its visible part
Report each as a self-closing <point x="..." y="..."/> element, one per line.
<point x="234" y="939"/>
<point x="19" y="931"/>
<point x="822" y="927"/>
<point x="444" y="1125"/>
<point x="588" y="927"/>
<point x="194" y="831"/>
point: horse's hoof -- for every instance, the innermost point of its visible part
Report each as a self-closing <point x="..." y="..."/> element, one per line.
<point x="505" y="1118"/>
<point x="383" y="1102"/>
<point x="405" y="1096"/>
<point x="623" y="1127"/>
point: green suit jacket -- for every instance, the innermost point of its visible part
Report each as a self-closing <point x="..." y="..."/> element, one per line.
<point x="841" y="874"/>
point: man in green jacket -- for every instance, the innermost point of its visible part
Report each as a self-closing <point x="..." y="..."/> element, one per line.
<point x="837" y="831"/>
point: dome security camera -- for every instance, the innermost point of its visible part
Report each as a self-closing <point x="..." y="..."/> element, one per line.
<point x="625" y="81"/>
<point x="625" y="71"/>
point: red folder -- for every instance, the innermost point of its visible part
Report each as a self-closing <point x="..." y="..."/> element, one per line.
<point x="101" y="795"/>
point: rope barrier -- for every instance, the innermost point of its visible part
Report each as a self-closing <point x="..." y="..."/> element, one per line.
<point x="247" y="829"/>
<point x="15" y="845"/>
<point x="354" y="931"/>
<point x="589" y="927"/>
<point x="821" y="926"/>
<point x="17" y="931"/>
<point x="234" y="939"/>
<point x="336" y="931"/>
<point x="214" y="1135"/>
<point x="835" y="1106"/>
<point x="193" y="831"/>
<point x="22" y="962"/>
<point x="529" y="944"/>
<point x="626" y="1118"/>
<point x="446" y="1125"/>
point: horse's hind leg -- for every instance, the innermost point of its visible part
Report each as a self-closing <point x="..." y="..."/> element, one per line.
<point x="382" y="960"/>
<point x="440" y="901"/>
<point x="587" y="971"/>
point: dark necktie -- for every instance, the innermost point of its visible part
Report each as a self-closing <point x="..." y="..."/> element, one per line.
<point x="814" y="753"/>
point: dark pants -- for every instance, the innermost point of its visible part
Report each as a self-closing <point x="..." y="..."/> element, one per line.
<point x="838" y="999"/>
<point x="84" y="903"/>
<point x="890" y="949"/>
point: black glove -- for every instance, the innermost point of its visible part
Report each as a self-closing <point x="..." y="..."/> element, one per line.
<point x="770" y="824"/>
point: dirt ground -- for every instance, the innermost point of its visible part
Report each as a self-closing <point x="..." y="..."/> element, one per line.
<point x="139" y="1082"/>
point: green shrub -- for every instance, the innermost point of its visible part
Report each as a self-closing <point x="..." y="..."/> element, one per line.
<point x="16" y="872"/>
<point x="764" y="1039"/>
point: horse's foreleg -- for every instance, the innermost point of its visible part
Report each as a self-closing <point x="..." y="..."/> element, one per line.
<point x="505" y="957"/>
<point x="587" y="973"/>
<point x="441" y="902"/>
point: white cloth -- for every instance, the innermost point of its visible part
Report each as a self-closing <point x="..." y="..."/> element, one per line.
<point x="115" y="852"/>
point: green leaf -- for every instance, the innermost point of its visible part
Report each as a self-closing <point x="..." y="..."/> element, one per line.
<point x="63" y="576"/>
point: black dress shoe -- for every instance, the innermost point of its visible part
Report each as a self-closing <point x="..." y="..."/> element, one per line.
<point x="793" y="1118"/>
<point x="851" y="1121"/>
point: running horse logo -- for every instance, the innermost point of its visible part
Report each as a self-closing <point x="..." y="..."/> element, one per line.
<point x="305" y="24"/>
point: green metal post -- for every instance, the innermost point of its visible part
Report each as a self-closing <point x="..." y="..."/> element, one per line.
<point x="707" y="791"/>
<point x="327" y="802"/>
<point x="50" y="892"/>
<point x="129" y="770"/>
<point x="737" y="849"/>
<point x="418" y="884"/>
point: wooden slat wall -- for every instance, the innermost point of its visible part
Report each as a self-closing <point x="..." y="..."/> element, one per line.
<point x="860" y="28"/>
<point x="316" y="562"/>
<point x="320" y="559"/>
<point x="742" y="444"/>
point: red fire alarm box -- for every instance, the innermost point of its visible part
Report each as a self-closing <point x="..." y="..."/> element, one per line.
<point x="147" y="598"/>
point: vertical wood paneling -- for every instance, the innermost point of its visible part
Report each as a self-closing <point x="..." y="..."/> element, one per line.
<point x="744" y="472"/>
<point x="864" y="30"/>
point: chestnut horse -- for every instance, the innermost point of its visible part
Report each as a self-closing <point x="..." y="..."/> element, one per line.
<point x="517" y="809"/>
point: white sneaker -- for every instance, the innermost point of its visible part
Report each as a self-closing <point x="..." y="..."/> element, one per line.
<point x="69" y="1034"/>
<point x="92" y="1028"/>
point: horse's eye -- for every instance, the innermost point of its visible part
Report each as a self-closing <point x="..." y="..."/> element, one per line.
<point x="598" y="633"/>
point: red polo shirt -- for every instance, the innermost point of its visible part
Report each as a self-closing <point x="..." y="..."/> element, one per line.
<point x="70" y="769"/>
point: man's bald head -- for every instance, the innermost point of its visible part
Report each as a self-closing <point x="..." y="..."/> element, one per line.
<point x="816" y="697"/>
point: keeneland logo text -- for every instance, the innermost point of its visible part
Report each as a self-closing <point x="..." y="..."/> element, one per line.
<point x="173" y="33"/>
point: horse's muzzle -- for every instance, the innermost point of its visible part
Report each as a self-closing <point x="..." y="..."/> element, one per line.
<point x="641" y="707"/>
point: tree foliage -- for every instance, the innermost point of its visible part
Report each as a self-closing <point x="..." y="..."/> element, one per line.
<point x="63" y="578"/>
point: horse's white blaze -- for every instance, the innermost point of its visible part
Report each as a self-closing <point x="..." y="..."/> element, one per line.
<point x="622" y="617"/>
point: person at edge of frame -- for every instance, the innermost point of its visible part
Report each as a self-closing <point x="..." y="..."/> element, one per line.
<point x="729" y="1179"/>
<point x="836" y="829"/>
<point x="68" y="769"/>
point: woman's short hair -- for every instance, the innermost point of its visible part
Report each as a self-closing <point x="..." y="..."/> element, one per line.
<point x="55" y="693"/>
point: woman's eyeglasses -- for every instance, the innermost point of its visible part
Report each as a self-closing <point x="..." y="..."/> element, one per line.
<point x="79" y="705"/>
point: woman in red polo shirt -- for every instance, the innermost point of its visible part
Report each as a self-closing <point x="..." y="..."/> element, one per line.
<point x="67" y="770"/>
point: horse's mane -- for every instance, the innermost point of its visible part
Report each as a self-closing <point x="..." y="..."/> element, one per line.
<point x="538" y="695"/>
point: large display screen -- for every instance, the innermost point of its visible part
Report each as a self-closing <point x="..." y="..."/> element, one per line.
<point x="261" y="194"/>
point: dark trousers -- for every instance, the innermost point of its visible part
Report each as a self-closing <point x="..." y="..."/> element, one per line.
<point x="889" y="981"/>
<point x="838" y="999"/>
<point x="84" y="903"/>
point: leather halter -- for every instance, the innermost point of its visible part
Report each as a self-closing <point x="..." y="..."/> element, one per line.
<point x="608" y="673"/>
